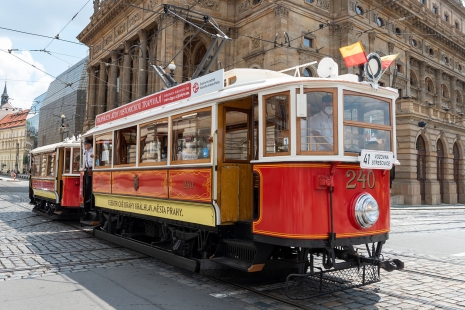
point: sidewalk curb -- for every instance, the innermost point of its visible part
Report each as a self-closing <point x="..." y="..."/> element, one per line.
<point x="431" y="207"/>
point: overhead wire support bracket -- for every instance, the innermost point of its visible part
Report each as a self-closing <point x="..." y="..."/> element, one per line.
<point x="214" y="49"/>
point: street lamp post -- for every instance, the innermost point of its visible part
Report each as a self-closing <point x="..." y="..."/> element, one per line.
<point x="172" y="67"/>
<point x="17" y="156"/>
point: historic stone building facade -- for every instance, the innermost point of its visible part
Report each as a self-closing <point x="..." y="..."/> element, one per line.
<point x="126" y="36"/>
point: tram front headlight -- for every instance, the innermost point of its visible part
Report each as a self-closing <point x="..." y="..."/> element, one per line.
<point x="366" y="210"/>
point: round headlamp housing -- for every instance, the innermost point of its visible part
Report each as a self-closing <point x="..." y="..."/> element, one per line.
<point x="366" y="210"/>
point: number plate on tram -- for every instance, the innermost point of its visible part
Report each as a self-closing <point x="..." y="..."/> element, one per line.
<point x="376" y="159"/>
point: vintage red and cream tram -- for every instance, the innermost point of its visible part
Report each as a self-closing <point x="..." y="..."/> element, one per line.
<point x="56" y="181"/>
<point x="249" y="168"/>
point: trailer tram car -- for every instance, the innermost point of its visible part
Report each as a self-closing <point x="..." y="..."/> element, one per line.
<point x="56" y="181"/>
<point x="250" y="173"/>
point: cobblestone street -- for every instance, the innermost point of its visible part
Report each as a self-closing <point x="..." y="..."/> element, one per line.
<point x="32" y="246"/>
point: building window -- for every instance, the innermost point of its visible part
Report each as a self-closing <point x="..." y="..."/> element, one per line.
<point x="399" y="68"/>
<point x="446" y="17"/>
<point x="359" y="10"/>
<point x="309" y="1"/>
<point x="423" y="1"/>
<point x="435" y="9"/>
<point x="308" y="42"/>
<point x="255" y="2"/>
<point x="398" y="31"/>
<point x="307" y="72"/>
<point x="431" y="52"/>
<point x="446" y="59"/>
<point x="380" y="22"/>
<point x="457" y="25"/>
<point x="414" y="43"/>
<point x="460" y="67"/>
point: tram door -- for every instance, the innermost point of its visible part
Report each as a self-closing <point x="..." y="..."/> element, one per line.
<point x="234" y="154"/>
<point x="421" y="166"/>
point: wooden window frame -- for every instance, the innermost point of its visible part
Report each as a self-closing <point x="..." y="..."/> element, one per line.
<point x="367" y="125"/>
<point x="171" y="137"/>
<point x="264" y="98"/>
<point x="334" y="91"/>
<point x="161" y="163"/>
<point x="249" y="136"/>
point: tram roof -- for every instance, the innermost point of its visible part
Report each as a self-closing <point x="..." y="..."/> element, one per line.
<point x="52" y="147"/>
<point x="248" y="81"/>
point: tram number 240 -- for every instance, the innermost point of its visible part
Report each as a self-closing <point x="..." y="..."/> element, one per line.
<point x="364" y="178"/>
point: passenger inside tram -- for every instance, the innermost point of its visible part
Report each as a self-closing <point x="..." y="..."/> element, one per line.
<point x="321" y="123"/>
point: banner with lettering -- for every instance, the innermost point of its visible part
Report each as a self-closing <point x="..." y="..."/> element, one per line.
<point x="191" y="89"/>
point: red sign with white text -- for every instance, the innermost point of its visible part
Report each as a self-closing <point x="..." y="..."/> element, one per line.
<point x="197" y="87"/>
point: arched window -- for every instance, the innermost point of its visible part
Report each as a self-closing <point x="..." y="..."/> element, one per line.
<point x="458" y="97"/>
<point x="429" y="85"/>
<point x="444" y="91"/>
<point x="308" y="72"/>
<point x="413" y="79"/>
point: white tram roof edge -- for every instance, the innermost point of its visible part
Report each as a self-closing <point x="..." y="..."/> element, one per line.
<point x="247" y="80"/>
<point x="53" y="147"/>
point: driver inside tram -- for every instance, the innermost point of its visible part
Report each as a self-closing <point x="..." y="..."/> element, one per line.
<point x="321" y="124"/>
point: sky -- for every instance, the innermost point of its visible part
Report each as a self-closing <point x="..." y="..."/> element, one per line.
<point x="46" y="18"/>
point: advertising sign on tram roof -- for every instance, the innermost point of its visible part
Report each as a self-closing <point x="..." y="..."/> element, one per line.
<point x="191" y="89"/>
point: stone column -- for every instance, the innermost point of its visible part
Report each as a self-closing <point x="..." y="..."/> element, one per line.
<point x="96" y="5"/>
<point x="406" y="185"/>
<point x="422" y="83"/>
<point x="438" y="88"/>
<point x="453" y="95"/>
<point x="407" y="74"/>
<point x="125" y="86"/>
<point x="111" y="104"/>
<point x="102" y="87"/>
<point x="450" y="187"/>
<point x="142" y="79"/>
<point x="432" y="190"/>
<point x="90" y="107"/>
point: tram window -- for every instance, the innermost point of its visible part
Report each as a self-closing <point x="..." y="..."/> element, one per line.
<point x="103" y="150"/>
<point x="366" y="109"/>
<point x="317" y="129"/>
<point x="367" y="123"/>
<point x="277" y="135"/>
<point x="359" y="138"/>
<point x="67" y="155"/>
<point x="36" y="165"/>
<point x="153" y="142"/>
<point x="125" y="146"/>
<point x="43" y="166"/>
<point x="76" y="159"/>
<point x="192" y="136"/>
<point x="50" y="164"/>
<point x="236" y="143"/>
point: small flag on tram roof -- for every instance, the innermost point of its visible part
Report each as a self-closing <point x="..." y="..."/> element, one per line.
<point x="353" y="54"/>
<point x="386" y="61"/>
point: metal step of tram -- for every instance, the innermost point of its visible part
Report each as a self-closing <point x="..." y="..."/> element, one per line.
<point x="238" y="254"/>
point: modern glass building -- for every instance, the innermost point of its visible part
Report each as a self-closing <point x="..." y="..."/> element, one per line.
<point x="63" y="109"/>
<point x="32" y="123"/>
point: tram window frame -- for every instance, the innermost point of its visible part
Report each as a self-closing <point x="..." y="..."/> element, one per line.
<point x="176" y="153"/>
<point x="299" y="151"/>
<point x="43" y="165"/>
<point x="98" y="153"/>
<point x="36" y="165"/>
<point x="234" y="129"/>
<point x="164" y="143"/>
<point x="67" y="154"/>
<point x="365" y="125"/>
<point x="75" y="165"/>
<point x="51" y="164"/>
<point x="289" y="128"/>
<point x="119" y="138"/>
